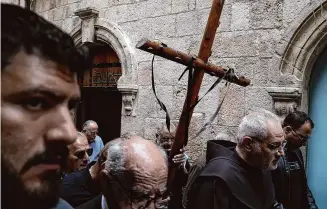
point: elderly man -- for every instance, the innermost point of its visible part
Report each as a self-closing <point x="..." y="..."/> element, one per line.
<point x="79" y="154"/>
<point x="238" y="176"/>
<point x="166" y="139"/>
<point x="38" y="88"/>
<point x="79" y="187"/>
<point x="134" y="176"/>
<point x="90" y="129"/>
<point x="289" y="178"/>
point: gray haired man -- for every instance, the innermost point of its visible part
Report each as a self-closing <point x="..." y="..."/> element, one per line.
<point x="237" y="176"/>
<point x="90" y="129"/>
<point x="134" y="176"/>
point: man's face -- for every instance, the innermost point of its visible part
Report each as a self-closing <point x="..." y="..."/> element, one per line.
<point x="299" y="137"/>
<point x="166" y="140"/>
<point x="270" y="150"/>
<point x="91" y="132"/>
<point x="36" y="126"/>
<point x="79" y="154"/>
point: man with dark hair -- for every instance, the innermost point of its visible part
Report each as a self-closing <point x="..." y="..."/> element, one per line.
<point x="289" y="178"/>
<point x="237" y="176"/>
<point x="39" y="65"/>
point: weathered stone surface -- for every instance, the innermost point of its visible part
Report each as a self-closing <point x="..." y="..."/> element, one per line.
<point x="257" y="98"/>
<point x="266" y="14"/>
<point x="201" y="4"/>
<point x="182" y="5"/>
<point x="291" y="9"/>
<point x="240" y="16"/>
<point x="70" y="9"/>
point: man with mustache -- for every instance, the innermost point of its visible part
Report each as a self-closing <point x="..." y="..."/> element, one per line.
<point x="79" y="154"/>
<point x="237" y="176"/>
<point x="289" y="178"/>
<point x="39" y="65"/>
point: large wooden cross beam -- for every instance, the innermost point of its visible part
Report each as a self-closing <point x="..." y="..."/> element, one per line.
<point x="201" y="66"/>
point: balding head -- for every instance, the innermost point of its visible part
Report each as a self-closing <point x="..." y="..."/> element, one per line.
<point x="137" y="166"/>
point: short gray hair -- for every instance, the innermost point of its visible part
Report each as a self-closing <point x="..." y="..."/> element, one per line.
<point x="255" y="124"/>
<point x="87" y="123"/>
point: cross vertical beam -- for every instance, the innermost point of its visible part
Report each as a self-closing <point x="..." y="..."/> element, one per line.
<point x="204" y="54"/>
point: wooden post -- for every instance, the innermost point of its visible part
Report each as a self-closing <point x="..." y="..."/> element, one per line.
<point x="204" y="54"/>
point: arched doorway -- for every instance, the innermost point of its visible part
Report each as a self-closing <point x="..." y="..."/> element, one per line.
<point x="100" y="99"/>
<point x="316" y="153"/>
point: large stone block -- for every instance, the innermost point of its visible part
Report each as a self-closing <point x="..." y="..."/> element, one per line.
<point x="187" y="23"/>
<point x="157" y="8"/>
<point x="292" y="9"/>
<point x="266" y="14"/>
<point x="163" y="26"/>
<point x="59" y="13"/>
<point x="268" y="40"/>
<point x="70" y="9"/>
<point x="261" y="72"/>
<point x="232" y="110"/>
<point x="151" y="126"/>
<point x="127" y="12"/>
<point x="202" y="4"/>
<point x="182" y="5"/>
<point x="132" y="125"/>
<point x="240" y="16"/>
<point x="148" y="105"/>
<point x="236" y="44"/>
<point x="257" y="98"/>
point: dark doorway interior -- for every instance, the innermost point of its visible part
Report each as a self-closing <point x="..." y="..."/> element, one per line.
<point x="102" y="105"/>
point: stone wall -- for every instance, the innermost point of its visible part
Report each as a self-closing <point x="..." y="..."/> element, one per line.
<point x="246" y="40"/>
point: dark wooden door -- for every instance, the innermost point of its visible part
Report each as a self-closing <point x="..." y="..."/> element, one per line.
<point x="101" y="101"/>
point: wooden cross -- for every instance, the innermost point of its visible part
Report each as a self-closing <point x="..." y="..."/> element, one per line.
<point x="201" y="66"/>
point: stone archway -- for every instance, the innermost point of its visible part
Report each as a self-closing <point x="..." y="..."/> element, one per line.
<point x="93" y="29"/>
<point x="295" y="56"/>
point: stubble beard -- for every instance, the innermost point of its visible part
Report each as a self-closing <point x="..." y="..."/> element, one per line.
<point x="16" y="194"/>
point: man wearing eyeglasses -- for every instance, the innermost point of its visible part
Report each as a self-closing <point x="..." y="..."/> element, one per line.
<point x="134" y="176"/>
<point x="79" y="154"/>
<point x="90" y="129"/>
<point x="237" y="176"/>
<point x="289" y="178"/>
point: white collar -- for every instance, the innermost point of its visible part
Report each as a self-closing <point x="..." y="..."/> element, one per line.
<point x="104" y="204"/>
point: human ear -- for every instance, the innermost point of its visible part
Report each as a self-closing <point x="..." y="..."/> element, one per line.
<point x="247" y="143"/>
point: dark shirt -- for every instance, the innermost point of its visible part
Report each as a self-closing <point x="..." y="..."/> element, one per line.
<point x="78" y="187"/>
<point x="296" y="193"/>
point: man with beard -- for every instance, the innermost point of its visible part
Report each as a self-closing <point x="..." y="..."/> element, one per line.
<point x="166" y="139"/>
<point x="90" y="129"/>
<point x="79" y="154"/>
<point x="236" y="176"/>
<point x="39" y="63"/>
<point x="289" y="178"/>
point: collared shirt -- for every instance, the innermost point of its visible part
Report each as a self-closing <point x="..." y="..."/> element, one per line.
<point x="104" y="204"/>
<point x="97" y="146"/>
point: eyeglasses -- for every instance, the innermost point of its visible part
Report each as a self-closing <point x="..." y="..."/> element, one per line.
<point x="300" y="136"/>
<point x="272" y="146"/>
<point x="142" y="201"/>
<point x="81" y="154"/>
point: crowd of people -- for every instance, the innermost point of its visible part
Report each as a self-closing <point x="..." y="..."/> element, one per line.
<point x="47" y="163"/>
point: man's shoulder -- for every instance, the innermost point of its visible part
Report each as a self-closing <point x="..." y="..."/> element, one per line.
<point x="75" y="177"/>
<point x="94" y="203"/>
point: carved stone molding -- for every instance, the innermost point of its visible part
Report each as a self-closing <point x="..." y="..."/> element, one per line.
<point x="88" y="16"/>
<point x="285" y="99"/>
<point x="128" y="97"/>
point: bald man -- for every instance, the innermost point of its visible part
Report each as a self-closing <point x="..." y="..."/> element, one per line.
<point x="79" y="154"/>
<point x="134" y="176"/>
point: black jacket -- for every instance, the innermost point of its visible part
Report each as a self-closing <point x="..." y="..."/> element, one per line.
<point x="281" y="179"/>
<point x="227" y="182"/>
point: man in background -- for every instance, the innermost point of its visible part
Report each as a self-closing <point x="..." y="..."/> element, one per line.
<point x="289" y="178"/>
<point x="90" y="129"/>
<point x="79" y="154"/>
